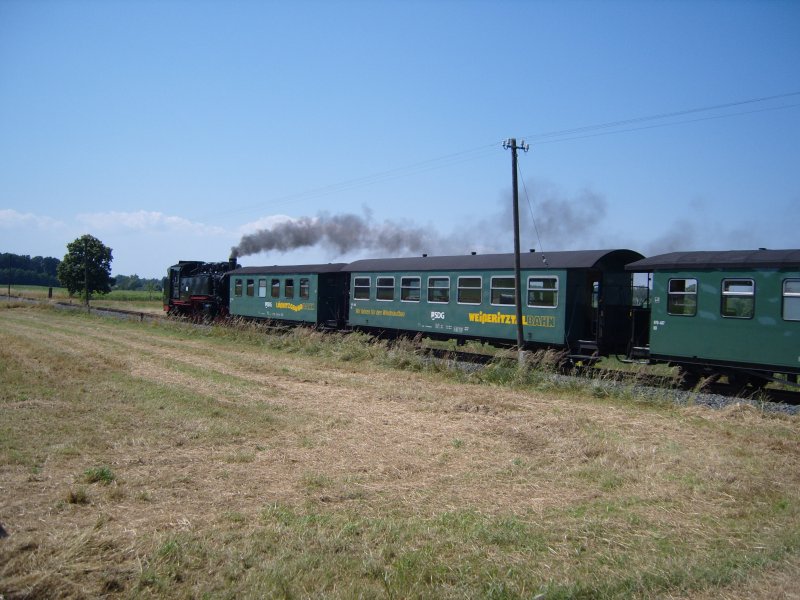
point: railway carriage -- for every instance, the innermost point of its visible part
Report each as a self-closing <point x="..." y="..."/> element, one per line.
<point x="310" y="294"/>
<point x="577" y="300"/>
<point x="735" y="313"/>
<point x="731" y="312"/>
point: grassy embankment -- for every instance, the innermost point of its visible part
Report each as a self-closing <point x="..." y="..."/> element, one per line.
<point x="160" y="460"/>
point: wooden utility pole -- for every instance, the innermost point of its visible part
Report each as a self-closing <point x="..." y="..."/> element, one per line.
<point x="86" y="272"/>
<point x="512" y="144"/>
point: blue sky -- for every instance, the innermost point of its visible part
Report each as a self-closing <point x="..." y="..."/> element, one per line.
<point x="170" y="129"/>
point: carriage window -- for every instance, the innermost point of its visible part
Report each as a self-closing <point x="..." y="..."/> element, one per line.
<point x="384" y="288"/>
<point x="288" y="288"/>
<point x="469" y="290"/>
<point x="361" y="288"/>
<point x="738" y="298"/>
<point x="503" y="290"/>
<point x="237" y="288"/>
<point x="305" y="286"/>
<point x="409" y="289"/>
<point x="439" y="289"/>
<point x="251" y="287"/>
<point x="262" y="288"/>
<point x="543" y="292"/>
<point x="791" y="300"/>
<point x="275" y="288"/>
<point x="682" y="297"/>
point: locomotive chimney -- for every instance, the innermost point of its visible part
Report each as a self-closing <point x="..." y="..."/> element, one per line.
<point x="232" y="263"/>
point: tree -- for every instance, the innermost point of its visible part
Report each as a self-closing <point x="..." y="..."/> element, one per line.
<point x="86" y="268"/>
<point x="24" y="270"/>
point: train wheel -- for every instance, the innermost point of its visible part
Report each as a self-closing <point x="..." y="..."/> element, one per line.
<point x="745" y="382"/>
<point x="689" y="378"/>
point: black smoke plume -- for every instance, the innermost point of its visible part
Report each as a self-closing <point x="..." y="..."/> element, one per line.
<point x="340" y="233"/>
<point x="550" y="219"/>
<point x="562" y="221"/>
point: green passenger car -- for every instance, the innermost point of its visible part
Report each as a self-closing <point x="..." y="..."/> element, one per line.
<point x="312" y="294"/>
<point x="728" y="311"/>
<point x="574" y="299"/>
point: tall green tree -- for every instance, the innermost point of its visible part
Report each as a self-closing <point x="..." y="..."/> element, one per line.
<point x="86" y="268"/>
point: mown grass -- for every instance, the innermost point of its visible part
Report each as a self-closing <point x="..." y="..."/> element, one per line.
<point x="581" y="552"/>
<point x="162" y="460"/>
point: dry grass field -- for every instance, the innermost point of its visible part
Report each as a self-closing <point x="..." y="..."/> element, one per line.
<point x="160" y="460"/>
<point x="139" y="300"/>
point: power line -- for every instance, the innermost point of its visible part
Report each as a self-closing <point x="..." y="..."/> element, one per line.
<point x="668" y="115"/>
<point x="658" y="125"/>
<point x="533" y="219"/>
<point x="380" y="177"/>
<point x="563" y="135"/>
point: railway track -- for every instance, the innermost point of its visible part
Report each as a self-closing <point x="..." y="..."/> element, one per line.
<point x="113" y="312"/>
<point x="99" y="310"/>
<point x="711" y="385"/>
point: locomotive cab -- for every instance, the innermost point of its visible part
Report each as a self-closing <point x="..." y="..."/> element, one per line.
<point x="197" y="289"/>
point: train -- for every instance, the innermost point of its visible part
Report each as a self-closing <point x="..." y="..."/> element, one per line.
<point x="732" y="313"/>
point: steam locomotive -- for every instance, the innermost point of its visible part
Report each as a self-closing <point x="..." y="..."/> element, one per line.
<point x="736" y="313"/>
<point x="198" y="289"/>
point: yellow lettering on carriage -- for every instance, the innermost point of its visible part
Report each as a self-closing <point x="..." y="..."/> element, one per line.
<point x="500" y="318"/>
<point x="548" y="321"/>
<point x="380" y="312"/>
<point x="290" y="306"/>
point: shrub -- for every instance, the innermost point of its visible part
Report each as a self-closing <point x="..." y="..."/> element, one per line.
<point x="102" y="475"/>
<point x="77" y="496"/>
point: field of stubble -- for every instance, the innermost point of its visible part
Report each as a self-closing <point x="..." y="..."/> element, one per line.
<point x="161" y="460"/>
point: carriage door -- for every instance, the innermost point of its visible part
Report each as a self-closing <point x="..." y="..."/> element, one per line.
<point x="594" y="314"/>
<point x="590" y="313"/>
<point x="597" y="313"/>
<point x="175" y="283"/>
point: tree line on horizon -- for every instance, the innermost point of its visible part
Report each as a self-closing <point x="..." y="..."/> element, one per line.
<point x="22" y="269"/>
